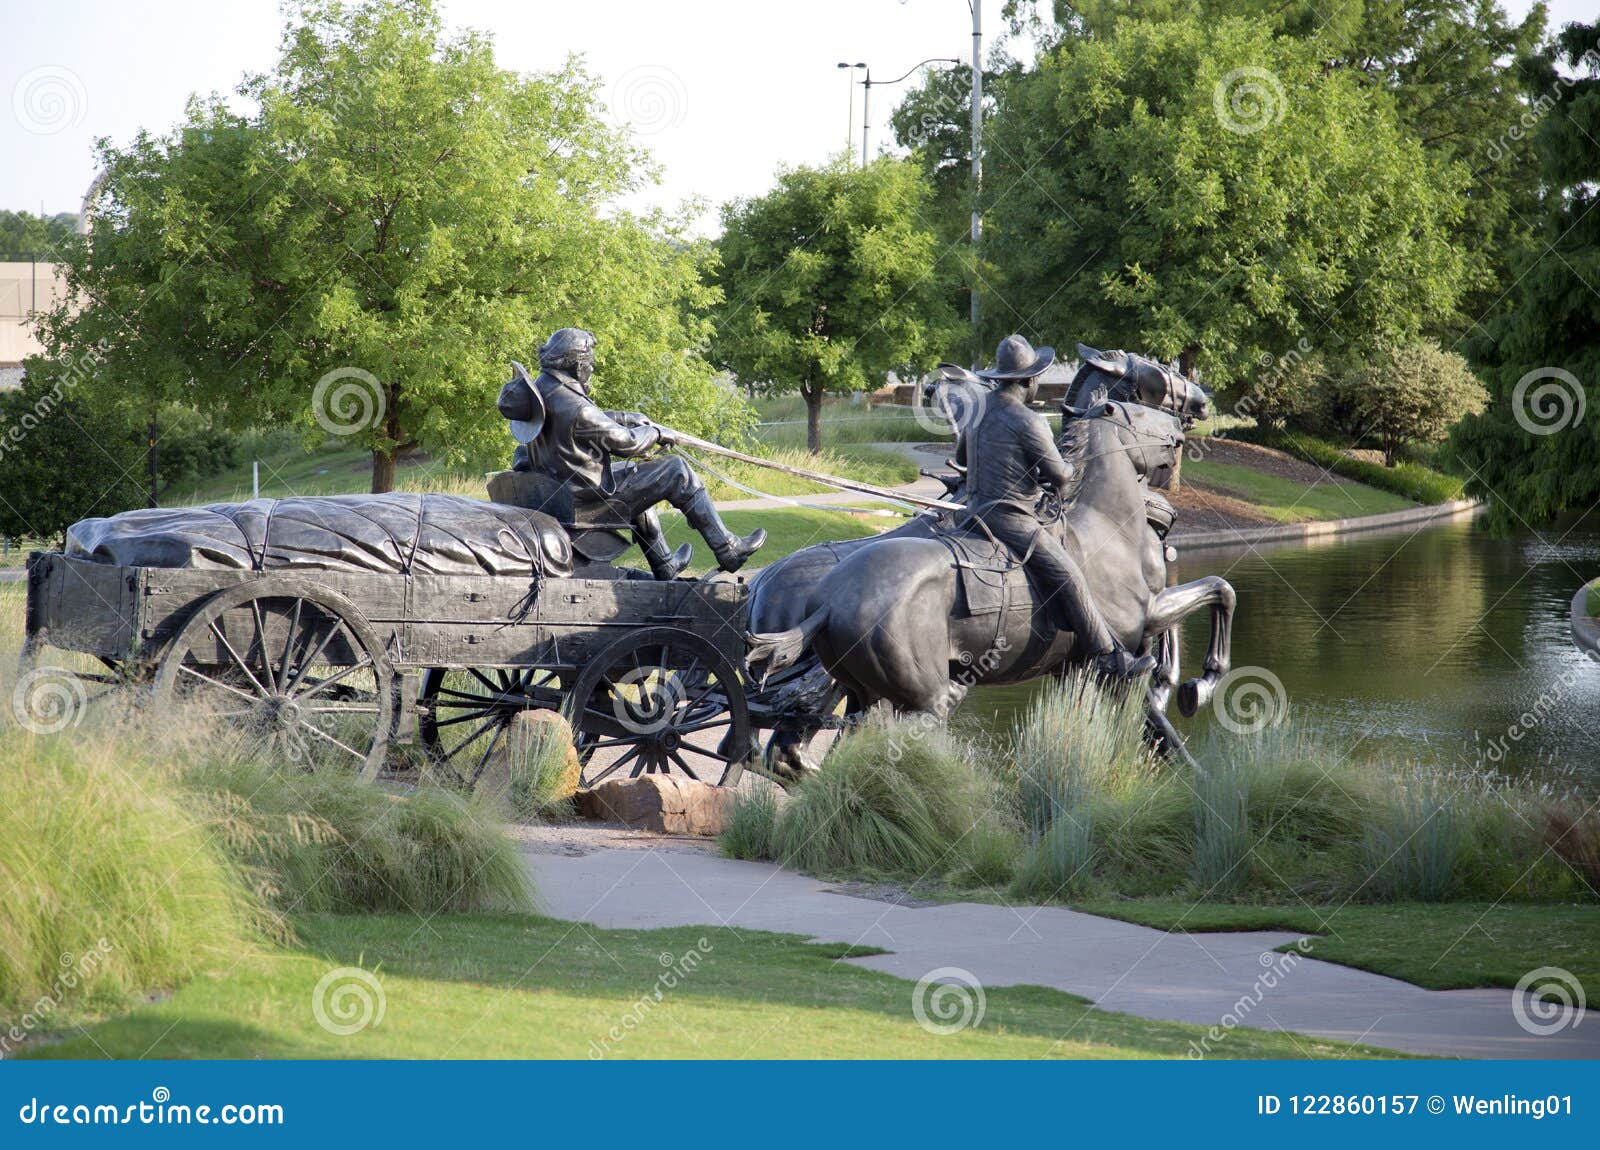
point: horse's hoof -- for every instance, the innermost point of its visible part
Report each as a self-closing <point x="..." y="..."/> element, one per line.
<point x="1192" y="695"/>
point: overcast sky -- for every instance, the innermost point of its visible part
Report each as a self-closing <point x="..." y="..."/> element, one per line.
<point x="720" y="91"/>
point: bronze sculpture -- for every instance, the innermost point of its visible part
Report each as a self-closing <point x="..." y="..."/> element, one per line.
<point x="1010" y="458"/>
<point x="565" y="436"/>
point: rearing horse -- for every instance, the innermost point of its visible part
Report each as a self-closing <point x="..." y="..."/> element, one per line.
<point x="884" y="622"/>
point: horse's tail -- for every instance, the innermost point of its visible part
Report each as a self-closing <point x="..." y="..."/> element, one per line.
<point x="774" y="650"/>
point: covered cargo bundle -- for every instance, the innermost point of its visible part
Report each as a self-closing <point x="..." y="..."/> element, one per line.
<point x="394" y="533"/>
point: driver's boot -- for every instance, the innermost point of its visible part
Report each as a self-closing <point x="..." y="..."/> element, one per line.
<point x="652" y="540"/>
<point x="731" y="550"/>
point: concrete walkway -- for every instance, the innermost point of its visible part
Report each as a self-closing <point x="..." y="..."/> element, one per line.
<point x="1197" y="978"/>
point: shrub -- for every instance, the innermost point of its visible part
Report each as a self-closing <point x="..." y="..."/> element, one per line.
<point x="539" y="780"/>
<point x="1403" y="395"/>
<point x="893" y="797"/>
<point x="752" y="823"/>
<point x="111" y="882"/>
<point x="327" y="842"/>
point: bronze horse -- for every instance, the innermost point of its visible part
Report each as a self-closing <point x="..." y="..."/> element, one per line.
<point x="863" y="619"/>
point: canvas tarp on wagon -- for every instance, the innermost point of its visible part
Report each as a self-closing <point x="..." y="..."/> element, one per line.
<point x="386" y="534"/>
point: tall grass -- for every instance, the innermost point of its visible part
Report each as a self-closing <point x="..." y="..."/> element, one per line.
<point x="1075" y="749"/>
<point x="897" y="798"/>
<point x="1409" y="479"/>
<point x="110" y="883"/>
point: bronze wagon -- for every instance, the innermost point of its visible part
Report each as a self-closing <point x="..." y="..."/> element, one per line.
<point x="345" y="638"/>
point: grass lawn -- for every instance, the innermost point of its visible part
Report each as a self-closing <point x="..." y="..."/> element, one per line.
<point x="1443" y="946"/>
<point x="513" y="986"/>
<point x="1288" y="501"/>
<point x="788" y="529"/>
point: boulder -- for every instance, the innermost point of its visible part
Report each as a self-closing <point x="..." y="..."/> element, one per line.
<point x="666" y="804"/>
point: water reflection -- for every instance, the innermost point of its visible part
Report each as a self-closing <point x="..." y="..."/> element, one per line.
<point x="1431" y="642"/>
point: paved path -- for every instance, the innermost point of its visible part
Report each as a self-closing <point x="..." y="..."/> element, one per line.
<point x="1189" y="978"/>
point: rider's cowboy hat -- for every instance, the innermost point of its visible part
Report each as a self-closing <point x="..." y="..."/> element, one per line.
<point x="521" y="403"/>
<point x="1016" y="358"/>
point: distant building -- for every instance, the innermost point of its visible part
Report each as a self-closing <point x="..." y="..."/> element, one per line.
<point x="26" y="287"/>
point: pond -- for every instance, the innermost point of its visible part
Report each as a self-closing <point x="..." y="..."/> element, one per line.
<point x="1438" y="644"/>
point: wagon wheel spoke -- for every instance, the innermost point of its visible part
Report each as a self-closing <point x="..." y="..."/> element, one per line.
<point x="287" y="659"/>
<point x="321" y="734"/>
<point x="324" y="684"/>
<point x="243" y="666"/>
<point x="621" y="761"/>
<point x="217" y="683"/>
<point x="311" y="657"/>
<point x="683" y="766"/>
<point x="483" y="760"/>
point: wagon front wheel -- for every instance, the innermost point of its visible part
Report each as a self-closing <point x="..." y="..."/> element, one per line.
<point x="286" y="661"/>
<point x="660" y="701"/>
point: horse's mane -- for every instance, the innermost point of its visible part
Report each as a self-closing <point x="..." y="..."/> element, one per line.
<point x="1074" y="448"/>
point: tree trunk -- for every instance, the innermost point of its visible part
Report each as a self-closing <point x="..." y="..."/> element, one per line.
<point x="813" y="398"/>
<point x="1186" y="366"/>
<point x="383" y="471"/>
<point x="152" y="437"/>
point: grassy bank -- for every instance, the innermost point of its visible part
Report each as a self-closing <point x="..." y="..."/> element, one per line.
<point x="1286" y="501"/>
<point x="1407" y="479"/>
<point x="516" y="986"/>
<point x="1443" y="946"/>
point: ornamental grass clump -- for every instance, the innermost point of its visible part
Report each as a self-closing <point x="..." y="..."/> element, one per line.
<point x="894" y="797"/>
<point x="111" y="881"/>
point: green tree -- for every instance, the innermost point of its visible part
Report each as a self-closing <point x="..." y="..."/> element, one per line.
<point x="1205" y="189"/>
<point x="364" y="253"/>
<point x="53" y="436"/>
<point x="26" y="236"/>
<point x="1536" y="451"/>
<point x="830" y="281"/>
<point x="1406" y="395"/>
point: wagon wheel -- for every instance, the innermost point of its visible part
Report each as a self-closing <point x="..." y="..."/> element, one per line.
<point x="465" y="715"/>
<point x="660" y="700"/>
<point x="292" y="663"/>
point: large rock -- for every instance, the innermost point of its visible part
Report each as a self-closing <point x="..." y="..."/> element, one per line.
<point x="666" y="804"/>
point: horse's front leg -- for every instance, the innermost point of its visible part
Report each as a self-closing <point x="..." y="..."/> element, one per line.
<point x="1172" y="606"/>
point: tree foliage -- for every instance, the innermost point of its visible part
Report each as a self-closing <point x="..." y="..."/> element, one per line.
<point x="831" y="280"/>
<point x="27" y="236"/>
<point x="1406" y="395"/>
<point x="399" y="219"/>
<point x="1536" y="451"/>
<point x="53" y="437"/>
<point x="1203" y="188"/>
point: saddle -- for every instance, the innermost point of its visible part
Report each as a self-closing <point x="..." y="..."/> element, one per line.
<point x="988" y="577"/>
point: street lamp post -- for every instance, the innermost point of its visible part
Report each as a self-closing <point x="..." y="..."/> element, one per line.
<point x="866" y="98"/>
<point x="850" y="118"/>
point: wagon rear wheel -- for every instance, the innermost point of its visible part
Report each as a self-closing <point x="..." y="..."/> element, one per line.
<point x="288" y="662"/>
<point x="661" y="700"/>
<point x="464" y="715"/>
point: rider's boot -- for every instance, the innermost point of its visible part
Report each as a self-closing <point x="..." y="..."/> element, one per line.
<point x="652" y="540"/>
<point x="1122" y="664"/>
<point x="731" y="550"/>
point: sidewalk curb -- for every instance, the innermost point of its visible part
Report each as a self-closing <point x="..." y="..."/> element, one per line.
<point x="1288" y="532"/>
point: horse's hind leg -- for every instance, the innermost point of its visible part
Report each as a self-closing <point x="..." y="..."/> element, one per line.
<point x="1173" y="605"/>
